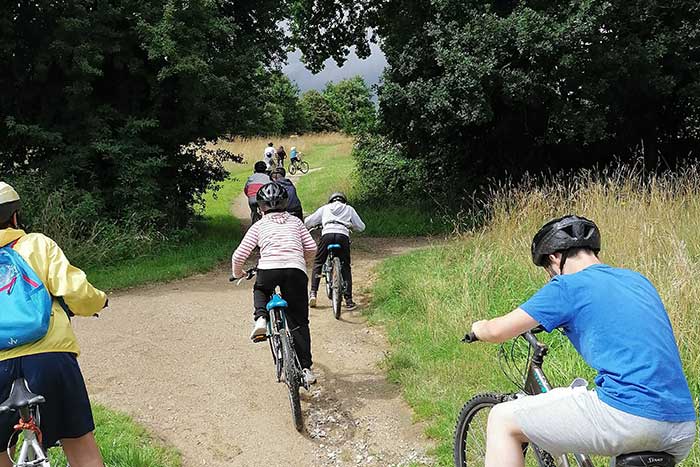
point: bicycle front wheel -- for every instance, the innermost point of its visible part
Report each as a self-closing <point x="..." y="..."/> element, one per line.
<point x="292" y="376"/>
<point x="470" y="435"/>
<point x="275" y="348"/>
<point x="337" y="286"/>
<point x="304" y="167"/>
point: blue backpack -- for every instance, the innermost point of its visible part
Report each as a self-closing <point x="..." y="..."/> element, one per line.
<point x="25" y="304"/>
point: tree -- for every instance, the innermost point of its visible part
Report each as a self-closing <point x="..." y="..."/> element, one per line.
<point x="486" y="88"/>
<point x="351" y="99"/>
<point x="117" y="99"/>
<point x="319" y="114"/>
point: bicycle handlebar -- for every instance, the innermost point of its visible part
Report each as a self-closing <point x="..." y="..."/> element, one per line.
<point x="470" y="338"/>
<point x="529" y="336"/>
<point x="249" y="274"/>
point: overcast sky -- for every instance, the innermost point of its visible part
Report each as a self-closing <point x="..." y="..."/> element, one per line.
<point x="370" y="69"/>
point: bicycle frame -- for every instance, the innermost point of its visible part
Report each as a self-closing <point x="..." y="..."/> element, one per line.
<point x="276" y="325"/>
<point x="536" y="382"/>
<point x="31" y="453"/>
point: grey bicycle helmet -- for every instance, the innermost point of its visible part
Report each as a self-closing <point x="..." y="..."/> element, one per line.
<point x="563" y="234"/>
<point x="338" y="196"/>
<point x="272" y="197"/>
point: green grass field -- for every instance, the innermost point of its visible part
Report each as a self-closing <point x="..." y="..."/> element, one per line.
<point x="333" y="169"/>
<point x="427" y="300"/>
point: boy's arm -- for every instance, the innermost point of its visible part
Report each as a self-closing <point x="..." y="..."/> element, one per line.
<point x="70" y="283"/>
<point x="505" y="327"/>
<point x="315" y="218"/>
<point x="248" y="244"/>
<point x="357" y="224"/>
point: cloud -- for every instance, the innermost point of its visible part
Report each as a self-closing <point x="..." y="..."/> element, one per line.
<point x="370" y="69"/>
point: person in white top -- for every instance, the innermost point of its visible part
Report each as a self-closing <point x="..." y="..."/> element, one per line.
<point x="269" y="155"/>
<point x="337" y="218"/>
<point x="284" y="244"/>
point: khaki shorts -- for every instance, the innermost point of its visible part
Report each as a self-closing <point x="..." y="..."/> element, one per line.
<point x="569" y="420"/>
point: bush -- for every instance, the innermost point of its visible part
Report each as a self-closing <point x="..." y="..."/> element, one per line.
<point x="72" y="219"/>
<point x="384" y="170"/>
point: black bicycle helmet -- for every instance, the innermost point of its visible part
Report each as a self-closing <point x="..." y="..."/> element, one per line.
<point x="260" y="167"/>
<point x="272" y="197"/>
<point x="338" y="196"/>
<point x="563" y="234"/>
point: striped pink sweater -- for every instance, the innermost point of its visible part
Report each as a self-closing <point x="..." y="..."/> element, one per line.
<point x="283" y="240"/>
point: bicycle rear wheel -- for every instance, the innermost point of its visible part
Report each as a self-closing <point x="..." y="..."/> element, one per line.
<point x="304" y="167"/>
<point x="292" y="168"/>
<point x="292" y="376"/>
<point x="337" y="286"/>
<point x="470" y="435"/>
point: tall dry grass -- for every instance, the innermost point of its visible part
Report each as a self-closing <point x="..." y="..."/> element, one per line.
<point x="650" y="224"/>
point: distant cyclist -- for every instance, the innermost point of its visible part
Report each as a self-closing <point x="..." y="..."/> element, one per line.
<point x="293" y="155"/>
<point x="269" y="155"/>
<point x="284" y="244"/>
<point x="294" y="208"/>
<point x="49" y="364"/>
<point x="252" y="185"/>
<point x="337" y="218"/>
<point x="281" y="156"/>
<point x="615" y="319"/>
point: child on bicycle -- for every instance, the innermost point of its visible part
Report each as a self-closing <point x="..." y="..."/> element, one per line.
<point x="615" y="319"/>
<point x="252" y="185"/>
<point x="284" y="244"/>
<point x="50" y="364"/>
<point x="337" y="218"/>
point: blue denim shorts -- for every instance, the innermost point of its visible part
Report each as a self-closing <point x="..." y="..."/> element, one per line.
<point x="56" y="376"/>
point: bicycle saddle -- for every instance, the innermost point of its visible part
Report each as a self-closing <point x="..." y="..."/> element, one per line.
<point x="645" y="459"/>
<point x="20" y="396"/>
<point x="276" y="302"/>
<point x="334" y="246"/>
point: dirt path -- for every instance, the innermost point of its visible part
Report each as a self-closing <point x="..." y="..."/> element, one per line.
<point x="177" y="358"/>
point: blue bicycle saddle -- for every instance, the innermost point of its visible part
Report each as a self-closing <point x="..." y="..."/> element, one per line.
<point x="276" y="302"/>
<point x="334" y="246"/>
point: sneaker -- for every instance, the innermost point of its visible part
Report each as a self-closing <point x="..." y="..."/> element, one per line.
<point x="259" y="330"/>
<point x="312" y="299"/>
<point x="349" y="304"/>
<point x="309" y="376"/>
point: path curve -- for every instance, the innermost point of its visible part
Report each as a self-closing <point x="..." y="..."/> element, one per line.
<point x="177" y="358"/>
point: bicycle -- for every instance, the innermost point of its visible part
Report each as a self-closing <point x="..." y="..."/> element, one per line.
<point x="287" y="366"/>
<point x="298" y="164"/>
<point x="22" y="400"/>
<point x="336" y="285"/>
<point x="534" y="381"/>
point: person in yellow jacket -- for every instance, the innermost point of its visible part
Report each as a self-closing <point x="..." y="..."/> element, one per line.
<point x="50" y="364"/>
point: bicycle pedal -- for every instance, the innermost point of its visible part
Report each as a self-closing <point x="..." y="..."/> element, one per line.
<point x="257" y="339"/>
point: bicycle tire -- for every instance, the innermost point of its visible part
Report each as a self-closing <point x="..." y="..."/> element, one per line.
<point x="274" y="349"/>
<point x="304" y="167"/>
<point x="337" y="287"/>
<point x="328" y="276"/>
<point x="292" y="379"/>
<point x="463" y="456"/>
<point x="292" y="168"/>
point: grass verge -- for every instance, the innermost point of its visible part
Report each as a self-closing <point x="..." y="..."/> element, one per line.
<point x="124" y="444"/>
<point x="427" y="300"/>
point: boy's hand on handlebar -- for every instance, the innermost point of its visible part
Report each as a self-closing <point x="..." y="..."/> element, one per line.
<point x="478" y="328"/>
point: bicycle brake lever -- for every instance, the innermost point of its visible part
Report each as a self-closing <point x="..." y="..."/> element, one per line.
<point x="470" y="338"/>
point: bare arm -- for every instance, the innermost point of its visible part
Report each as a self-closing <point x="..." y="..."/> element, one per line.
<point x="504" y="327"/>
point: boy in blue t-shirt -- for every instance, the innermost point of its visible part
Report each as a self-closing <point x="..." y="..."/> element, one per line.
<point x="615" y="319"/>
